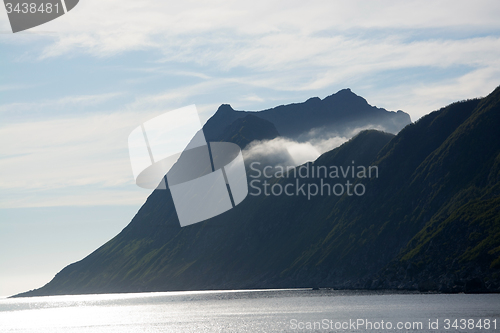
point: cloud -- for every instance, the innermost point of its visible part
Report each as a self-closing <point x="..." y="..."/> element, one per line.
<point x="79" y="101"/>
<point x="176" y="97"/>
<point x="279" y="152"/>
<point x="91" y="149"/>
<point x="286" y="152"/>
<point x="266" y="35"/>
<point x="297" y="47"/>
<point x="111" y="27"/>
<point x="74" y="161"/>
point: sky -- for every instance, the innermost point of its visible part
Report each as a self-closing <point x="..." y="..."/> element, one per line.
<point x="73" y="89"/>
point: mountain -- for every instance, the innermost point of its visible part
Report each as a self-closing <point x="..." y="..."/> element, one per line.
<point x="338" y="114"/>
<point x="424" y="215"/>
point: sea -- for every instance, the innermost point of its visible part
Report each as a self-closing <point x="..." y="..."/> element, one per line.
<point x="290" y="310"/>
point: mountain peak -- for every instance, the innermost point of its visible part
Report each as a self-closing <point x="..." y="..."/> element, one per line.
<point x="346" y="95"/>
<point x="224" y="108"/>
<point x="337" y="113"/>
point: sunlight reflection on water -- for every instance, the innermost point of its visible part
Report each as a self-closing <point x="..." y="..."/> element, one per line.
<point x="231" y="311"/>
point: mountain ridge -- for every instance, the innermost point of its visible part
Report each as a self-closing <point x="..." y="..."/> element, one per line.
<point x="399" y="235"/>
<point x="336" y="114"/>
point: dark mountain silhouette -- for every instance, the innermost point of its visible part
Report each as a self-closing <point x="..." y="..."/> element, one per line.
<point x="337" y="114"/>
<point x="429" y="220"/>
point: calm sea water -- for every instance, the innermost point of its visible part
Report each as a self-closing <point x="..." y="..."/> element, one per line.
<point x="252" y="311"/>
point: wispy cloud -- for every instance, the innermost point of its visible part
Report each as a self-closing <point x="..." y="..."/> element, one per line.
<point x="287" y="152"/>
<point x="301" y="47"/>
<point x="63" y="102"/>
<point x="68" y="159"/>
<point x="153" y="24"/>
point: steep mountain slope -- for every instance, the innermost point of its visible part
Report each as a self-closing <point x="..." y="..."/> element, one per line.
<point x="435" y="210"/>
<point x="428" y="220"/>
<point x="460" y="180"/>
<point x="244" y="247"/>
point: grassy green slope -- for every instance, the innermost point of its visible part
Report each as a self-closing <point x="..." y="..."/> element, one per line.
<point x="459" y="184"/>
